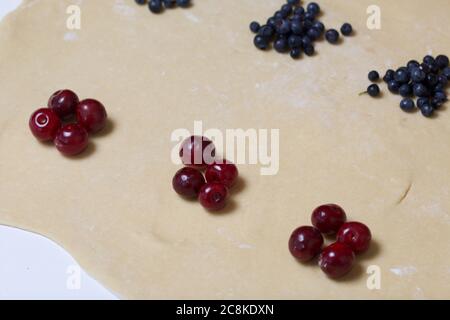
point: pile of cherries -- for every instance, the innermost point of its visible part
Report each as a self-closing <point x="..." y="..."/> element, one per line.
<point x="337" y="259"/>
<point x="55" y="123"/>
<point x="211" y="189"/>
<point x="294" y="29"/>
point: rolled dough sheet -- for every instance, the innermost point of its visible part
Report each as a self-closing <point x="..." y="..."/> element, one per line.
<point x="113" y="208"/>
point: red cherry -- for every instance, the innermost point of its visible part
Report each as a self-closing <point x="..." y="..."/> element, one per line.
<point x="355" y="235"/>
<point x="213" y="196"/>
<point x="328" y="218"/>
<point x="63" y="103"/>
<point x="305" y="243"/>
<point x="336" y="260"/>
<point x="225" y="172"/>
<point x="91" y="114"/>
<point x="71" y="139"/>
<point x="44" y="124"/>
<point x="197" y="152"/>
<point x="188" y="182"/>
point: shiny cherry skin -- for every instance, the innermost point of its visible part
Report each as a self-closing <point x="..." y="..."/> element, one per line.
<point x="197" y="151"/>
<point x="44" y="124"/>
<point x="336" y="260"/>
<point x="91" y="114"/>
<point x="213" y="196"/>
<point x="187" y="182"/>
<point x="71" y="139"/>
<point x="305" y="243"/>
<point x="328" y="218"/>
<point x="222" y="172"/>
<point x="355" y="235"/>
<point x="63" y="103"/>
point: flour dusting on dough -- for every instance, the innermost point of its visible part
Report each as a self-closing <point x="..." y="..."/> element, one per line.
<point x="403" y="271"/>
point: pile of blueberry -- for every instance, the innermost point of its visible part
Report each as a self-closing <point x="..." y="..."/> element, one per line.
<point x="157" y="6"/>
<point x="426" y="82"/>
<point x="295" y="29"/>
<point x="211" y="188"/>
<point x="337" y="259"/>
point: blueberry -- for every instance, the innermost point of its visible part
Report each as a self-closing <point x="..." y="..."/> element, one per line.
<point x="184" y="3"/>
<point x="272" y="22"/>
<point x="433" y="67"/>
<point x="422" y="101"/>
<point x="442" y="80"/>
<point x="425" y="68"/>
<point x="412" y="64"/>
<point x="407" y="105"/>
<point x="141" y="2"/>
<point x="429" y="60"/>
<point x="417" y="75"/>
<point x="266" y="31"/>
<point x="254" y="27"/>
<point x="446" y="72"/>
<point x="440" y="96"/>
<point x="405" y="90"/>
<point x="436" y="103"/>
<point x="300" y="11"/>
<point x="155" y="6"/>
<point x="286" y="9"/>
<point x="295" y="53"/>
<point x="281" y="45"/>
<point x="261" y="42"/>
<point x="374" y="76"/>
<point x="431" y="80"/>
<point x="310" y="16"/>
<point x="293" y="2"/>
<point x="279" y="15"/>
<point x="420" y="90"/>
<point x="346" y="29"/>
<point x="319" y="26"/>
<point x="297" y="27"/>
<point x="168" y="3"/>
<point x="307" y="24"/>
<point x="332" y="36"/>
<point x="294" y="41"/>
<point x="393" y="86"/>
<point x="402" y="75"/>
<point x="427" y="110"/>
<point x="389" y="75"/>
<point x="373" y="90"/>
<point x="442" y="61"/>
<point x="313" y="34"/>
<point x="306" y="42"/>
<point x="313" y="8"/>
<point x="309" y="50"/>
<point x="283" y="26"/>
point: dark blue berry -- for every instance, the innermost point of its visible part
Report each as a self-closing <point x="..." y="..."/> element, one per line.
<point x="300" y="11"/>
<point x="294" y="41"/>
<point x="297" y="27"/>
<point x="429" y="60"/>
<point x="319" y="26"/>
<point x="283" y="26"/>
<point x="266" y="31"/>
<point x="184" y="3"/>
<point x="389" y="75"/>
<point x="436" y="103"/>
<point x="446" y="72"/>
<point x="254" y="27"/>
<point x="272" y="22"/>
<point x="307" y="24"/>
<point x="393" y="86"/>
<point x="261" y="42"/>
<point x="427" y="110"/>
<point x="402" y="75"/>
<point x="413" y="64"/>
<point x="442" y="61"/>
<point x="422" y="101"/>
<point x="306" y="42"/>
<point x="440" y="96"/>
<point x="332" y="36"/>
<point x="407" y="105"/>
<point x="417" y="75"/>
<point x="313" y="8"/>
<point x="293" y="2"/>
<point x="310" y="16"/>
<point x="169" y="3"/>
<point x="405" y="90"/>
<point x="279" y="15"/>
<point x="373" y="90"/>
<point x="281" y="45"/>
<point x="309" y="50"/>
<point x="420" y="90"/>
<point x="431" y="80"/>
<point x="155" y="6"/>
<point x="373" y="76"/>
<point x="295" y="53"/>
<point x="443" y="81"/>
<point x="425" y="68"/>
<point x="141" y="2"/>
<point x="313" y="34"/>
<point x="286" y="9"/>
<point x="346" y="29"/>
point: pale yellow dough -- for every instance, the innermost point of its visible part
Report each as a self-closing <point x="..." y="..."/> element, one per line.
<point x="114" y="208"/>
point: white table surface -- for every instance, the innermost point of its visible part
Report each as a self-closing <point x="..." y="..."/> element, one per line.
<point x="33" y="267"/>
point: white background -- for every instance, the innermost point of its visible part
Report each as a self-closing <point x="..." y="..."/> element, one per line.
<point x="33" y="267"/>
